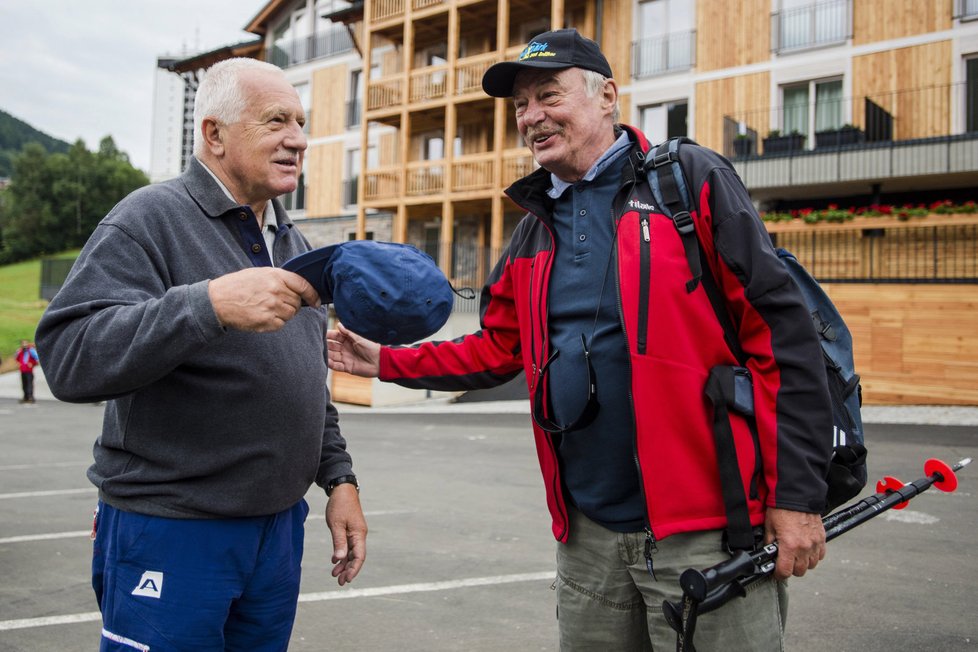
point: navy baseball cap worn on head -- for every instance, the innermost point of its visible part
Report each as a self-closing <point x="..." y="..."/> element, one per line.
<point x="389" y="293"/>
<point x="562" y="48"/>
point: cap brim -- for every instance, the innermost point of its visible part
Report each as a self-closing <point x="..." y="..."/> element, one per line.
<point x="498" y="79"/>
<point x="311" y="266"/>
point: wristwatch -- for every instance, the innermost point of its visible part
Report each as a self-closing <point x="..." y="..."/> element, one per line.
<point x="343" y="479"/>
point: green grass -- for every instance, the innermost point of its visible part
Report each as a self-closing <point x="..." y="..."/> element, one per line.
<point x="20" y="304"/>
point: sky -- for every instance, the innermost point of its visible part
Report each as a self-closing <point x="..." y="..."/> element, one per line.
<point x="85" y="68"/>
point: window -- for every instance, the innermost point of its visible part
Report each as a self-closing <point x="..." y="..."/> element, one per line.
<point x="804" y="23"/>
<point x="663" y="121"/>
<point x="296" y="200"/>
<point x="302" y="90"/>
<point x="352" y="181"/>
<point x="432" y="147"/>
<point x="666" y="37"/>
<point x="971" y="94"/>
<point x="812" y="106"/>
<point x="353" y="103"/>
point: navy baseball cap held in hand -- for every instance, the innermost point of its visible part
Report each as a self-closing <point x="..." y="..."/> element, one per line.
<point x="562" y="48"/>
<point x="389" y="293"/>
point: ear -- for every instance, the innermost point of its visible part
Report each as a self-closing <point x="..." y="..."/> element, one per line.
<point x="212" y="133"/>
<point x="609" y="95"/>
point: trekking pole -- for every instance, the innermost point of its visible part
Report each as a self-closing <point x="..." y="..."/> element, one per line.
<point x="707" y="590"/>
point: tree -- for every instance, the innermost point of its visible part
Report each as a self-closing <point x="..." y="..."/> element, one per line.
<point x="55" y="201"/>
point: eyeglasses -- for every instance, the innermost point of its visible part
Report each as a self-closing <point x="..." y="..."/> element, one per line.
<point x="588" y="412"/>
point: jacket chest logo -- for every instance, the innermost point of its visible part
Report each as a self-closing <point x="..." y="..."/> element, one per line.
<point x="638" y="205"/>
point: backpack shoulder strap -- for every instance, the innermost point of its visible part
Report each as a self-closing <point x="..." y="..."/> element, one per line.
<point x="671" y="191"/>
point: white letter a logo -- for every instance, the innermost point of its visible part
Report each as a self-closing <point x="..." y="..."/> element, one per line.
<point x="150" y="584"/>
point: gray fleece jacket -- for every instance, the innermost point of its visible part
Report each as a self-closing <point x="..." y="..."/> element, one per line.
<point x="200" y="421"/>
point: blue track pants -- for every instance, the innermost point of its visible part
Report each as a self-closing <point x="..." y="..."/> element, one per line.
<point x="202" y="585"/>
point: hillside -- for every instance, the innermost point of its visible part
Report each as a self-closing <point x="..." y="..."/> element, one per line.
<point x="15" y="133"/>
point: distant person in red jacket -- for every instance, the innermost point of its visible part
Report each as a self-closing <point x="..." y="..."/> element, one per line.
<point x="26" y="357"/>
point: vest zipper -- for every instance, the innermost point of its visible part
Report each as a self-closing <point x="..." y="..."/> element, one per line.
<point x="644" y="272"/>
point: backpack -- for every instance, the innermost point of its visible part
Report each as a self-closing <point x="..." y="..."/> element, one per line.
<point x="730" y="389"/>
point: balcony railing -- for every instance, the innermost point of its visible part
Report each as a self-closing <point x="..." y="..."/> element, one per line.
<point x="517" y="163"/>
<point x="382" y="183"/>
<point x="888" y="253"/>
<point x="814" y="25"/>
<point x="322" y="44"/>
<point x="385" y="93"/>
<point x="384" y="9"/>
<point x="428" y="83"/>
<point x="896" y="253"/>
<point x="425" y="178"/>
<point x="862" y="121"/>
<point x="469" y="72"/>
<point x="664" y="54"/>
<point x="472" y="172"/>
<point x="424" y="4"/>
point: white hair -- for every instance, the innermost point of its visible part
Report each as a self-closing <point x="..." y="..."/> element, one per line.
<point x="219" y="95"/>
<point x="593" y="84"/>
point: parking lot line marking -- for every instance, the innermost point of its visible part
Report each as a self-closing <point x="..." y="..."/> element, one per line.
<point x="45" y="465"/>
<point x="426" y="586"/>
<point x="53" y="492"/>
<point x="341" y="594"/>
<point x="46" y="621"/>
<point x="26" y="538"/>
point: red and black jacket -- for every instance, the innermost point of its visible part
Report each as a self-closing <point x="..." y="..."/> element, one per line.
<point x="673" y="338"/>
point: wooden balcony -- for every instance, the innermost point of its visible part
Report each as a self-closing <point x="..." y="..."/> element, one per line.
<point x="469" y="72"/>
<point x="517" y="163"/>
<point x="932" y="249"/>
<point x="381" y="10"/>
<point x="425" y="178"/>
<point x="472" y="172"/>
<point x="385" y="93"/>
<point x="418" y="5"/>
<point x="429" y="83"/>
<point x="382" y="183"/>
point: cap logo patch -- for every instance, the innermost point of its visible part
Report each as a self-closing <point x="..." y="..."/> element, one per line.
<point x="535" y="50"/>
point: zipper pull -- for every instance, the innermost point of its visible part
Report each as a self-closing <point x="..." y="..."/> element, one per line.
<point x="650" y="549"/>
<point x="645" y="229"/>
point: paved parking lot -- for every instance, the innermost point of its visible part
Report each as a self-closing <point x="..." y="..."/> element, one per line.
<point x="460" y="555"/>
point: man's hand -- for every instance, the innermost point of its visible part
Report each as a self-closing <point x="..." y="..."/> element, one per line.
<point x="351" y="353"/>
<point x="259" y="299"/>
<point x="800" y="537"/>
<point x="346" y="523"/>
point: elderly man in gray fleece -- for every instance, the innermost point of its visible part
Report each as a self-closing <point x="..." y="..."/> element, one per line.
<point x="218" y="418"/>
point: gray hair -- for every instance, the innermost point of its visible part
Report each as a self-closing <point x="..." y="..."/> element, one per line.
<point x="593" y="84"/>
<point x="219" y="95"/>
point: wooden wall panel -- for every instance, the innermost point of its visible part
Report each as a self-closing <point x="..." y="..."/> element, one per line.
<point x="734" y="95"/>
<point x="324" y="179"/>
<point x="617" y="32"/>
<point x="732" y="33"/>
<point x="879" y="20"/>
<point x="329" y="90"/>
<point x="919" y="113"/>
<point x="914" y="344"/>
